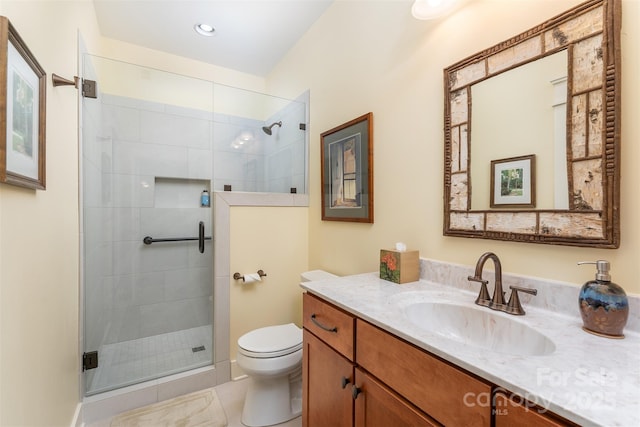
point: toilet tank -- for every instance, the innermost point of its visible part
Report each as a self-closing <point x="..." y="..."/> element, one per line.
<point x="314" y="275"/>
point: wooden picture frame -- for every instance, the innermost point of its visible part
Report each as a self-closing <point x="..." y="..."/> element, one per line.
<point x="346" y="162"/>
<point x="513" y="182"/>
<point x="22" y="112"/>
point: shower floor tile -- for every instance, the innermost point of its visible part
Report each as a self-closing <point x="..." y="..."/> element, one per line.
<point x="130" y="362"/>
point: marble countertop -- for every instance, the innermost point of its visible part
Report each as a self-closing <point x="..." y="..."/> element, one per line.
<point x="588" y="379"/>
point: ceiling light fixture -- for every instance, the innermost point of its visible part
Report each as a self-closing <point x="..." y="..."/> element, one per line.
<point x="431" y="9"/>
<point x="204" y="29"/>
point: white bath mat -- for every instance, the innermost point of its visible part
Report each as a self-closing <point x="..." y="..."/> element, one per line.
<point x="201" y="409"/>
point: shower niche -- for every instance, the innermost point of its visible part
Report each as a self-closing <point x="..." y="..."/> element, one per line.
<point x="179" y="192"/>
<point x="152" y="141"/>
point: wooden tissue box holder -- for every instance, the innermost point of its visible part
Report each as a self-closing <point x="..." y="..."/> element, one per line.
<point x="399" y="267"/>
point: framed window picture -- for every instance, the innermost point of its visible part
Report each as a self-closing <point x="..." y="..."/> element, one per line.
<point x="513" y="182"/>
<point x="22" y="111"/>
<point x="346" y="163"/>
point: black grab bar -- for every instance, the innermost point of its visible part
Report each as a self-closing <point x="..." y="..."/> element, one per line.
<point x="147" y="240"/>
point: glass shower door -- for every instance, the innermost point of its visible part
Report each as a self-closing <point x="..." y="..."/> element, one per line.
<point x="146" y="159"/>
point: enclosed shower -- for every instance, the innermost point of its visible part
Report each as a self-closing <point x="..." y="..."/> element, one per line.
<point x="152" y="143"/>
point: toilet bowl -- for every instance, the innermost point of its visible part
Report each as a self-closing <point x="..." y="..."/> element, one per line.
<point x="272" y="358"/>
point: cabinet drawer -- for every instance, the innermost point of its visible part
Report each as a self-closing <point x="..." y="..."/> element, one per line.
<point x="329" y="323"/>
<point x="443" y="391"/>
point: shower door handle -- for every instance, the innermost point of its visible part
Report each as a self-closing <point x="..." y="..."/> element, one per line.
<point x="201" y="237"/>
<point x="147" y="240"/>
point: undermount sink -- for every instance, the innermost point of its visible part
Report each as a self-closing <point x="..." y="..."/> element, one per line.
<point x="479" y="327"/>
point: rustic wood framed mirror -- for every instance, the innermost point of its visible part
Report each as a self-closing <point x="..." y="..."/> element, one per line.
<point x="571" y="125"/>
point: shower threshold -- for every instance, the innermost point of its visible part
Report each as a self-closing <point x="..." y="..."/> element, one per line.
<point x="135" y="361"/>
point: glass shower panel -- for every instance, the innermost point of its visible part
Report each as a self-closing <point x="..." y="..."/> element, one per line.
<point x="146" y="158"/>
<point x="260" y="142"/>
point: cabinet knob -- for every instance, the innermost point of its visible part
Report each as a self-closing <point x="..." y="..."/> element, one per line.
<point x="355" y="391"/>
<point x="344" y="381"/>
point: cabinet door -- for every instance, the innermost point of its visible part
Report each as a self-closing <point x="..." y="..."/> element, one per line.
<point x="325" y="402"/>
<point x="509" y="413"/>
<point x="378" y="406"/>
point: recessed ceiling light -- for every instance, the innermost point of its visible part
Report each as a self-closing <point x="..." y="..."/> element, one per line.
<point x="204" y="29"/>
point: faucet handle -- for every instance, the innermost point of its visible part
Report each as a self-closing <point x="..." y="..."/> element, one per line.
<point x="514" y="306"/>
<point x="477" y="279"/>
<point x="483" y="297"/>
<point x="527" y="290"/>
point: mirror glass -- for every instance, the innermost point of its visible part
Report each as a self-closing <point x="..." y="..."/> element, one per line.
<point x="532" y="134"/>
<point x="522" y="111"/>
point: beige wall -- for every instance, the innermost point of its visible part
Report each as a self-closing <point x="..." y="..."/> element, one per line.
<point x="373" y="56"/>
<point x="39" y="253"/>
<point x="276" y="241"/>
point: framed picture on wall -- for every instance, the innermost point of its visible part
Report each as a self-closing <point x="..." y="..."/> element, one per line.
<point x="346" y="163"/>
<point x="513" y="182"/>
<point x="22" y="112"/>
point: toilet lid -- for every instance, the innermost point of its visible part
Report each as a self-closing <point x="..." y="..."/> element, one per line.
<point x="271" y="341"/>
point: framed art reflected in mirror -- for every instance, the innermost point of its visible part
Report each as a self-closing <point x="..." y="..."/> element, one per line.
<point x="513" y="182"/>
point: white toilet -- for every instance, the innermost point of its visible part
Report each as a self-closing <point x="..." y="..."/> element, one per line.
<point x="272" y="358"/>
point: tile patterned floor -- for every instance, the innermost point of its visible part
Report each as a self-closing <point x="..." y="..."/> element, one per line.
<point x="134" y="361"/>
<point x="231" y="396"/>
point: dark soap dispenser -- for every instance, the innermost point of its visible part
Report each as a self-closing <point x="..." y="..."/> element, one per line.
<point x="604" y="306"/>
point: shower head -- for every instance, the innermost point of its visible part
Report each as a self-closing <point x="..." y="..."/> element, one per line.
<point x="267" y="129"/>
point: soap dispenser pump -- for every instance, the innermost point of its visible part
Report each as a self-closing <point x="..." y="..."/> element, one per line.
<point x="604" y="305"/>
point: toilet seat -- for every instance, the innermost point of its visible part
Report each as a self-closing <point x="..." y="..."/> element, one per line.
<point x="271" y="341"/>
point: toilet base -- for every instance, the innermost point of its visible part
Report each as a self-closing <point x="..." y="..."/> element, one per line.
<point x="273" y="400"/>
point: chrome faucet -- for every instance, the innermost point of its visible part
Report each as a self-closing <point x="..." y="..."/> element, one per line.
<point x="497" y="301"/>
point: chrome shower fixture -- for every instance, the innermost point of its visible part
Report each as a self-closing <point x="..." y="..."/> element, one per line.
<point x="267" y="129"/>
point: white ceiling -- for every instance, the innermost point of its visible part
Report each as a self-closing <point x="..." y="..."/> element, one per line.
<point x="251" y="36"/>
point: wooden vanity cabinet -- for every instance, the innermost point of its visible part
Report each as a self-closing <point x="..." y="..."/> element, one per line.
<point x="327" y="364"/>
<point x="510" y="412"/>
<point x="356" y="374"/>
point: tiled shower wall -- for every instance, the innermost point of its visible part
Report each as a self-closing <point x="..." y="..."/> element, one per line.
<point x="285" y="151"/>
<point x="145" y="165"/>
<point x="261" y="163"/>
